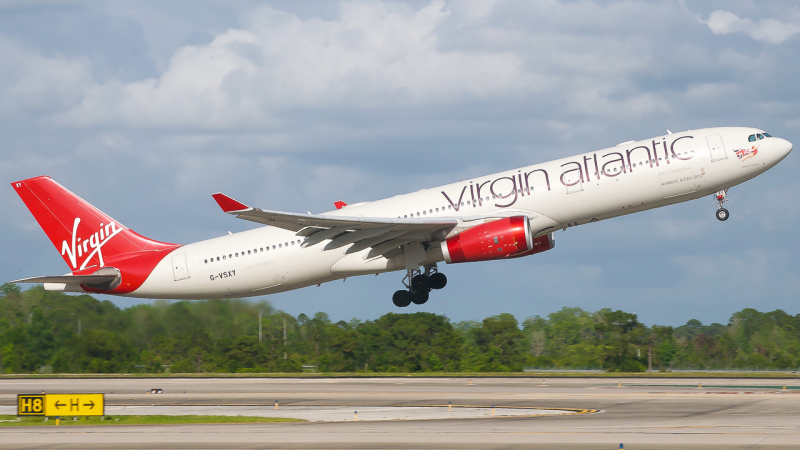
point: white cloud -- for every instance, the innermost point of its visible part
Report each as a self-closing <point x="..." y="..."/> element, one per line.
<point x="768" y="30"/>
<point x="384" y="56"/>
<point x="373" y="54"/>
<point x="31" y="83"/>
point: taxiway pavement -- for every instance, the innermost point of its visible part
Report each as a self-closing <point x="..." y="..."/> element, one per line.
<point x="642" y="413"/>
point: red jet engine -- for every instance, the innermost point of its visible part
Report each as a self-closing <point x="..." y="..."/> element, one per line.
<point x="510" y="237"/>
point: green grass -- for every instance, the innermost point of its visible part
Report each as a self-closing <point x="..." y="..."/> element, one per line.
<point x="14" y="421"/>
<point x="543" y="374"/>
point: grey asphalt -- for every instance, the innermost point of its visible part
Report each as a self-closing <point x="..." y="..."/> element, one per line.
<point x="642" y="413"/>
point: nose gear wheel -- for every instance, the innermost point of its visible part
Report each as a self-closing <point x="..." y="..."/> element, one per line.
<point x="719" y="198"/>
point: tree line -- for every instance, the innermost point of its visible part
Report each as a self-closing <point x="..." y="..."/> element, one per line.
<point x="51" y="332"/>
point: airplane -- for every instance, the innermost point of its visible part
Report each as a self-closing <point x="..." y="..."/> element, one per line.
<point x="505" y="215"/>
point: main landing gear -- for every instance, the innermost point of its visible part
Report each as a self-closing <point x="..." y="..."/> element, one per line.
<point x="721" y="197"/>
<point x="418" y="286"/>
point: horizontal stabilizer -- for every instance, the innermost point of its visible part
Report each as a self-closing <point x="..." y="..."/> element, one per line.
<point x="69" y="279"/>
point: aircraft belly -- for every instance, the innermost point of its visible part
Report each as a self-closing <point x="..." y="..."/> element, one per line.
<point x="264" y="274"/>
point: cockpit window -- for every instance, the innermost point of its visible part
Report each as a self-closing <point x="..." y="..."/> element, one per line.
<point x="767" y="135"/>
<point x="760" y="136"/>
<point x="751" y="138"/>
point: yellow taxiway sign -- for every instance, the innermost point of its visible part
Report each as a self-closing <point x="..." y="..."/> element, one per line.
<point x="30" y="405"/>
<point x="61" y="405"/>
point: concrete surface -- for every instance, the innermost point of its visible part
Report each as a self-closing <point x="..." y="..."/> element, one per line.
<point x="642" y="413"/>
<point x="326" y="413"/>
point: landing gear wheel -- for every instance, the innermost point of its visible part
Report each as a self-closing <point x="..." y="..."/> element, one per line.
<point x="722" y="214"/>
<point x="419" y="297"/>
<point x="421" y="283"/>
<point x="438" y="280"/>
<point x="401" y="299"/>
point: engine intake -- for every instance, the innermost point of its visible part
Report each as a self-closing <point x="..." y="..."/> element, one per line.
<point x="510" y="237"/>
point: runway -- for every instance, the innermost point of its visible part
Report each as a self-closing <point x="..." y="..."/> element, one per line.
<point x="642" y="413"/>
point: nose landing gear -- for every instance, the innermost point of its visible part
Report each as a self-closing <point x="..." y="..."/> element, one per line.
<point x="721" y="197"/>
<point x="418" y="286"/>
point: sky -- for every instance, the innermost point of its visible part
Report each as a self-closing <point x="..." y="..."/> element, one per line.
<point x="147" y="108"/>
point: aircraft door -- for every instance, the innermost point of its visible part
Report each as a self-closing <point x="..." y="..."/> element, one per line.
<point x="179" y="268"/>
<point x="716" y="147"/>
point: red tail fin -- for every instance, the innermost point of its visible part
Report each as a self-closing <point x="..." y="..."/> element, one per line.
<point x="85" y="236"/>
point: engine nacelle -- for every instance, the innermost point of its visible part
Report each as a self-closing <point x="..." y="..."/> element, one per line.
<point x="510" y="237"/>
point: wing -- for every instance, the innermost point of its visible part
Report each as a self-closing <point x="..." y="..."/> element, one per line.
<point x="382" y="234"/>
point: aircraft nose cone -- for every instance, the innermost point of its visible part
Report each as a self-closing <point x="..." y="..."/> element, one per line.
<point x="784" y="147"/>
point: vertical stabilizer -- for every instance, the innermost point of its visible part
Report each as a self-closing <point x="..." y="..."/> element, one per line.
<point x="84" y="236"/>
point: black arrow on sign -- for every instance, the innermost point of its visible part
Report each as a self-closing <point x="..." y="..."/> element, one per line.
<point x="59" y="405"/>
<point x="90" y="404"/>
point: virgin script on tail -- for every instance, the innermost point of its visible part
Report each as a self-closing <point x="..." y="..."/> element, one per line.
<point x="81" y="247"/>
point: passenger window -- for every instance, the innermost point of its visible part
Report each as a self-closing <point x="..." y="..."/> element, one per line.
<point x="223" y="256"/>
<point x="287" y="244"/>
<point x="205" y="261"/>
<point x="437" y="209"/>
<point x="430" y="211"/>
<point x="280" y="245"/>
<point x="248" y="252"/>
<point x="262" y="248"/>
<point x="217" y="258"/>
<point x="751" y="138"/>
<point x="292" y="242"/>
<point x="273" y="247"/>
<point x="424" y="212"/>
<point x="237" y="255"/>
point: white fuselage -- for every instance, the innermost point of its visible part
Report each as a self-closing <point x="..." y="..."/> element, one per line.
<point x="568" y="192"/>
